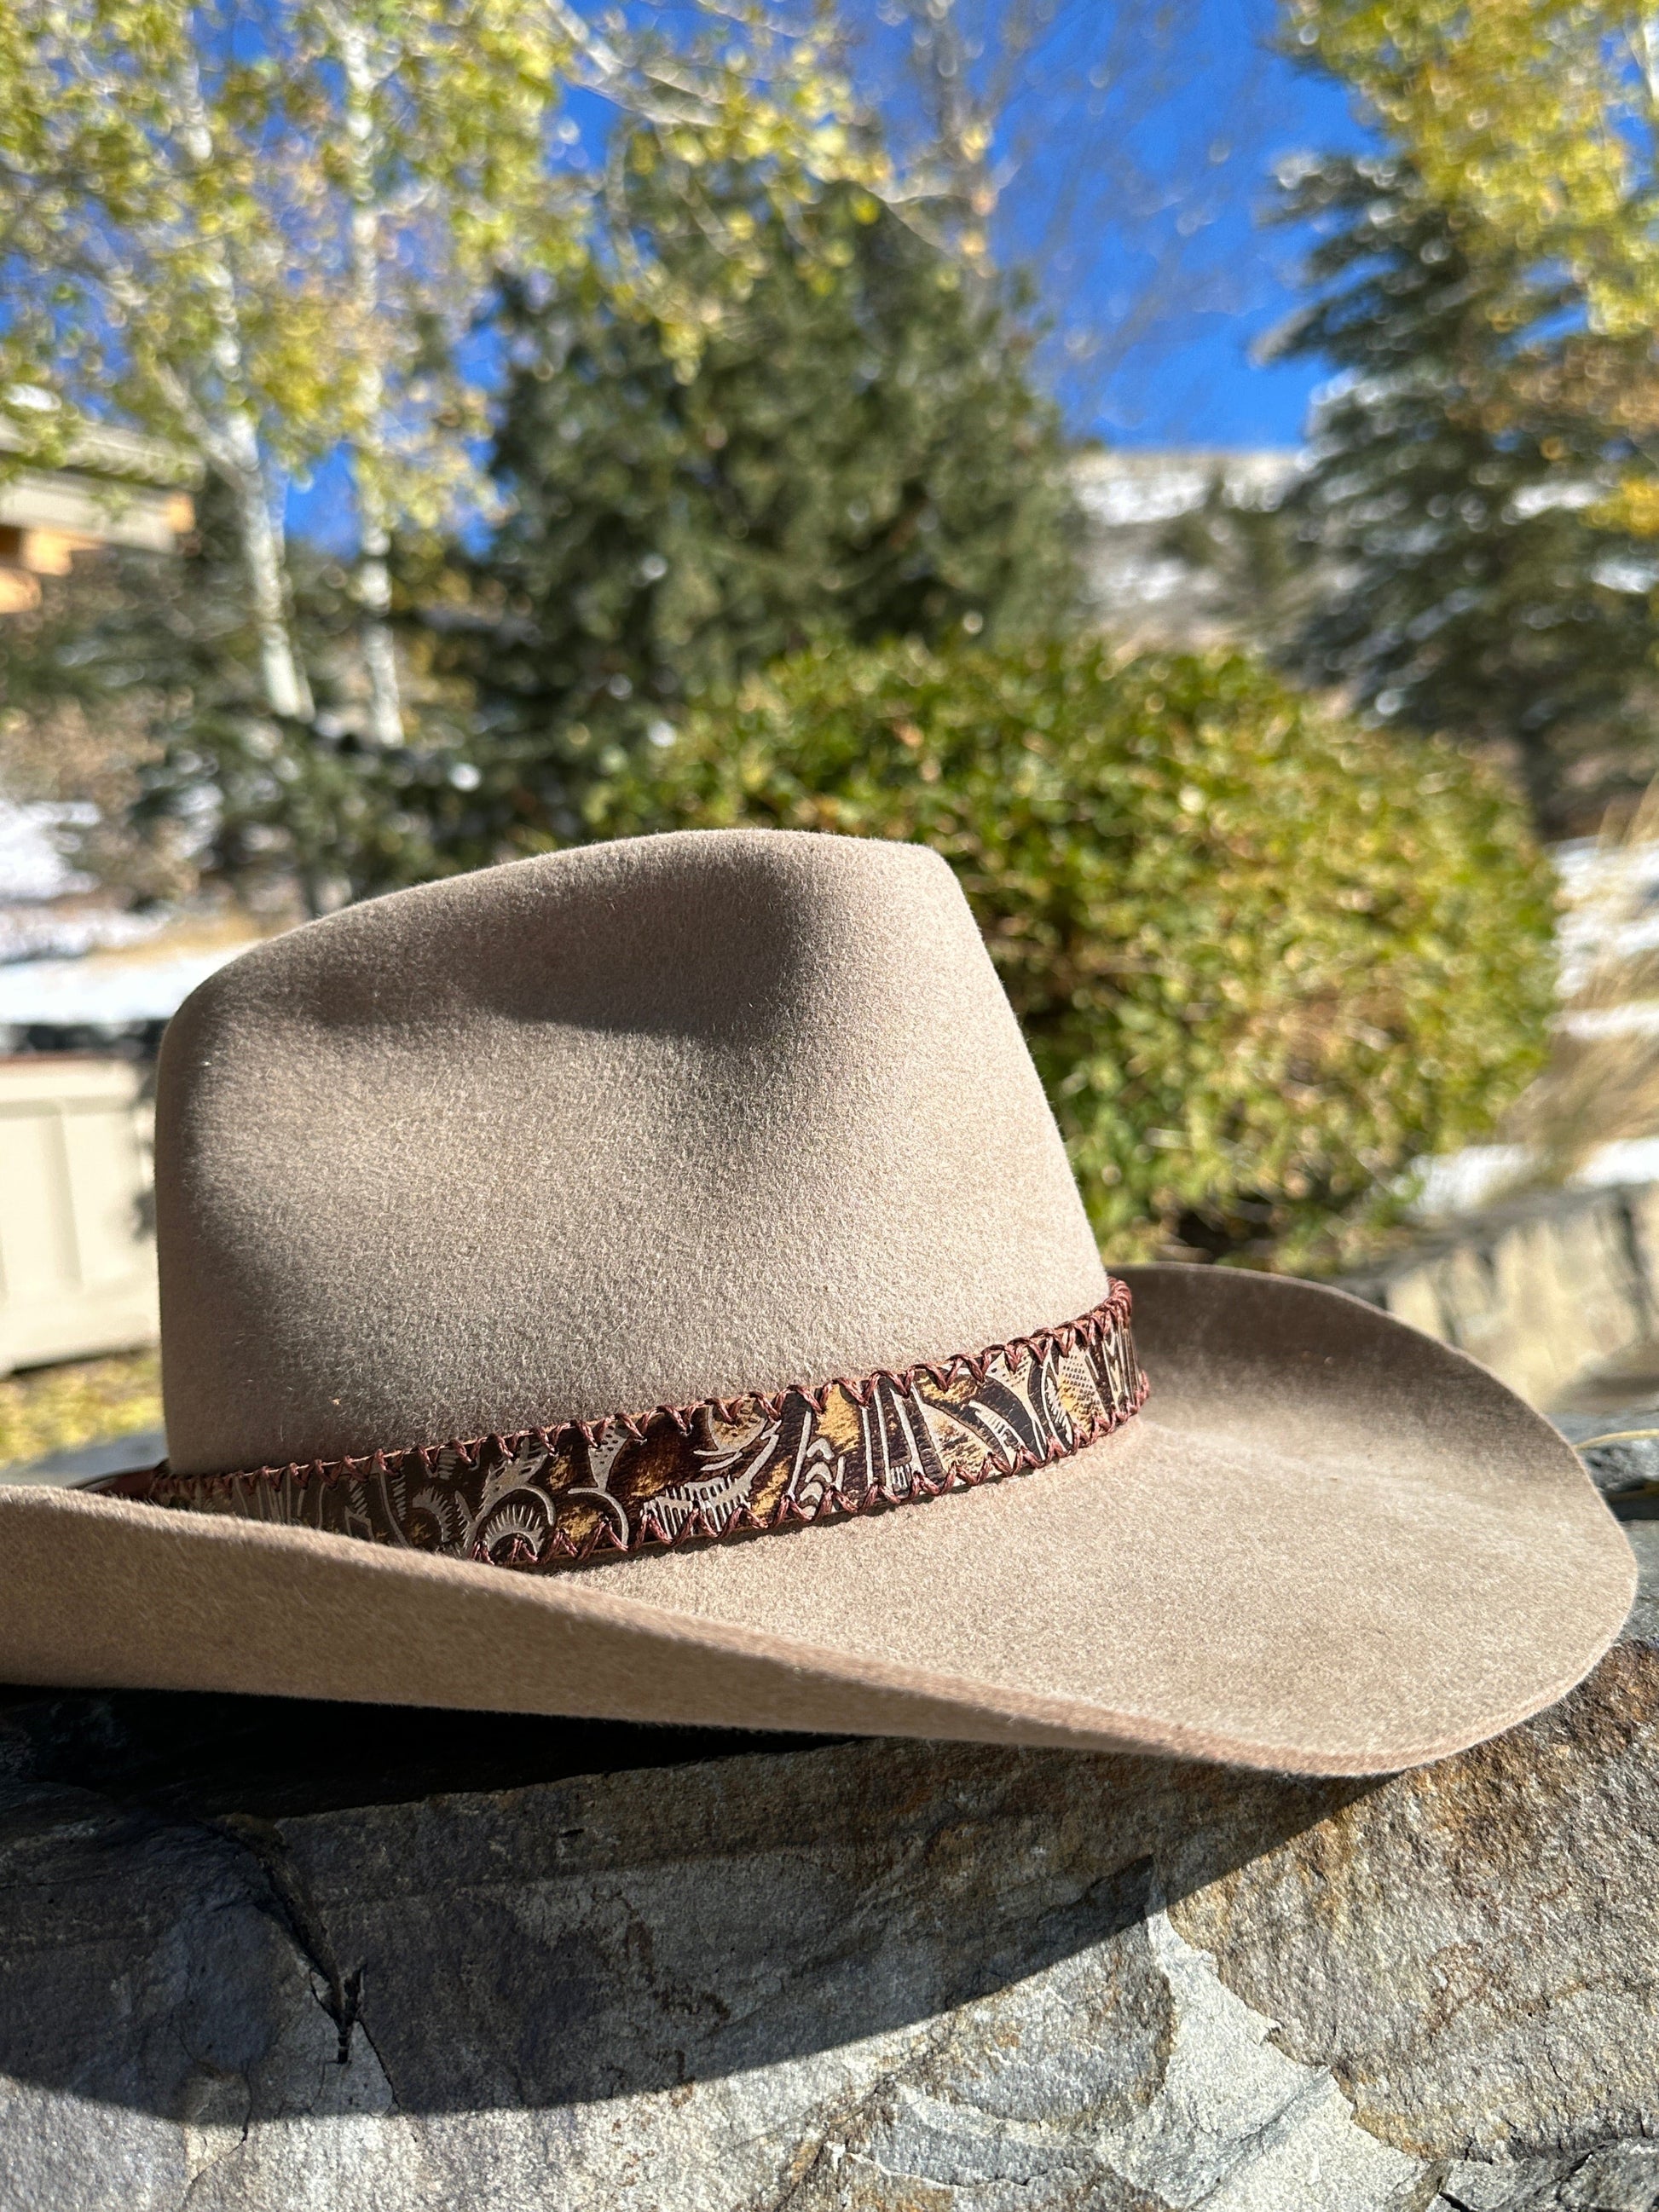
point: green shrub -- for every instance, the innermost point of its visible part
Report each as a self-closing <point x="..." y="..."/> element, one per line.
<point x="1263" y="957"/>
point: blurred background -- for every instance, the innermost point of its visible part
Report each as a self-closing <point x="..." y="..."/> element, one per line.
<point x="1193" y="462"/>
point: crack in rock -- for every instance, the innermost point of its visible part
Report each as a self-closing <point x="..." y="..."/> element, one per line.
<point x="1617" y="2178"/>
<point x="1238" y="2126"/>
<point x="1230" y="2125"/>
<point x="296" y="1911"/>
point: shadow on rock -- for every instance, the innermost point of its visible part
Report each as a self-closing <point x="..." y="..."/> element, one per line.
<point x="475" y="1903"/>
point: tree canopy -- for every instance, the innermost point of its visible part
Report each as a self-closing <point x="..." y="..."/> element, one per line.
<point x="1537" y="130"/>
<point x="1472" y="578"/>
<point x="858" y="453"/>
<point x="852" y="448"/>
<point x="266" y="231"/>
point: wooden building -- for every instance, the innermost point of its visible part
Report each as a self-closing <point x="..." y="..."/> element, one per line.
<point x="115" y="488"/>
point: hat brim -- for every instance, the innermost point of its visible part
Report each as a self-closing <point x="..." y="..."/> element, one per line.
<point x="1329" y="1545"/>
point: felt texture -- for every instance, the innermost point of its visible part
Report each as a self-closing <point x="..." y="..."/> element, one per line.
<point x="715" y="1113"/>
<point x="629" y="1125"/>
<point x="1329" y="1545"/>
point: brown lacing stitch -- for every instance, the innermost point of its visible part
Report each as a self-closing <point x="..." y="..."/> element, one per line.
<point x="532" y="1499"/>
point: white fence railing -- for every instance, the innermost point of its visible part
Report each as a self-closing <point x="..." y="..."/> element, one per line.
<point x="77" y="1254"/>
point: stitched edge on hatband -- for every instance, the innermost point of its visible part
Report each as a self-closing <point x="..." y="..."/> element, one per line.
<point x="538" y="1499"/>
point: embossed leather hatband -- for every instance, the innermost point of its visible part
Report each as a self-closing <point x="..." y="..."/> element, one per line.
<point x="545" y="1498"/>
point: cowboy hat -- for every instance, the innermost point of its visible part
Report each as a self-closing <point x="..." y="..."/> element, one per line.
<point x="647" y="1281"/>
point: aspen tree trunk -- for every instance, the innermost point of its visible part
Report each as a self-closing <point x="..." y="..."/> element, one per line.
<point x="264" y="559"/>
<point x="1645" y="42"/>
<point x="238" y="456"/>
<point x="373" y="582"/>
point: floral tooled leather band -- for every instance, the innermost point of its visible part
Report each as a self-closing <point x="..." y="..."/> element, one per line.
<point x="551" y="1498"/>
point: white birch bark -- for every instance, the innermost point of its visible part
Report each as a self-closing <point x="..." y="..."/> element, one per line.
<point x="232" y="447"/>
<point x="372" y="580"/>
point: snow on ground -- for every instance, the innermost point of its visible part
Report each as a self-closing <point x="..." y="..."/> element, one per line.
<point x="32" y="866"/>
<point x="53" y="918"/>
<point x="98" y="995"/>
<point x="45" y="910"/>
<point x="1612" y="904"/>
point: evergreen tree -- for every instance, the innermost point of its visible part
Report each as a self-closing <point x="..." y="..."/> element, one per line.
<point x="1259" y="572"/>
<point x="857" y="452"/>
<point x="1452" y="501"/>
<point x="137" y="686"/>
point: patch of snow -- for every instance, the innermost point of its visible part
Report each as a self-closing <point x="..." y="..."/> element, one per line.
<point x="96" y="994"/>
<point x="1639" y="1018"/>
<point x="1129" y="489"/>
<point x="1118" y="502"/>
<point x="34" y="932"/>
<point x="1462" y="1182"/>
<point x="1611" y="905"/>
<point x="1627" y="1159"/>
<point x="32" y="866"/>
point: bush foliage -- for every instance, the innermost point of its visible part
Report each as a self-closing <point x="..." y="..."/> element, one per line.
<point x="1263" y="958"/>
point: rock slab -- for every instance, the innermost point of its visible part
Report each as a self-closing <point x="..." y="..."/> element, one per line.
<point x="1545" y="1289"/>
<point x="300" y="1957"/>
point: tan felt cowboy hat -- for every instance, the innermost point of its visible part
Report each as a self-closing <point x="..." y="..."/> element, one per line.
<point x="647" y="1281"/>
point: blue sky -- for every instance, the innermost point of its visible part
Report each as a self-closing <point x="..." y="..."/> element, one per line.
<point x="1141" y="220"/>
<point x="1205" y="134"/>
<point x="1203" y="387"/>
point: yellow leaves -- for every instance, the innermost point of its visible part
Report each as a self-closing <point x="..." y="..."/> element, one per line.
<point x="57" y="1408"/>
<point x="192" y="235"/>
<point x="1632" y="506"/>
<point x="1532" y="119"/>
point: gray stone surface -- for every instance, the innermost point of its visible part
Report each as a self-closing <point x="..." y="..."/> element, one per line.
<point x="1621" y="1451"/>
<point x="261" y="1956"/>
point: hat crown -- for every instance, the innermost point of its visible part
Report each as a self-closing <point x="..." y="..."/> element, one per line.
<point x="628" y="1125"/>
